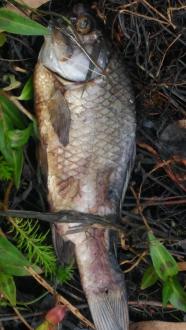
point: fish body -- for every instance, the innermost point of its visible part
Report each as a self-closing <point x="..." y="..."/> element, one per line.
<point x="85" y="110"/>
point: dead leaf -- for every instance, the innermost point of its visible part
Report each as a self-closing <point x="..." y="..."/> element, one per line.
<point x="158" y="325"/>
<point x="30" y="3"/>
<point x="33" y="3"/>
<point x="56" y="314"/>
<point x="148" y="148"/>
<point x="182" y="266"/>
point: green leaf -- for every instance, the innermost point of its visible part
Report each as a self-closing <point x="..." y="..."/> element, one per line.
<point x="149" y="278"/>
<point x="18" y="138"/>
<point x="17" y="165"/>
<point x="4" y="147"/>
<point x="12" y="261"/>
<point x="15" y="23"/>
<point x="6" y="171"/>
<point x="166" y="293"/>
<point x="178" y="295"/>
<point x="11" y="80"/>
<point x="8" y="288"/>
<point x="27" y="91"/>
<point x="2" y="39"/>
<point x="164" y="264"/>
<point x="10" y="110"/>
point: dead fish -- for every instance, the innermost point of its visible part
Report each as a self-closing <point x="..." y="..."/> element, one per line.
<point x="85" y="109"/>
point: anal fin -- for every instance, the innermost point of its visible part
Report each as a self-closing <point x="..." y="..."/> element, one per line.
<point x="64" y="249"/>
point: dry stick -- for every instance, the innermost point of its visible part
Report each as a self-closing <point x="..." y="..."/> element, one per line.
<point x="60" y="298"/>
<point x="18" y="105"/>
<point x="128" y="5"/>
<point x="148" y="18"/>
<point x="85" y="219"/>
<point x="7" y="194"/>
<point x="21" y="108"/>
<point x="163" y="58"/>
<point x="136" y="263"/>
<point x="171" y="9"/>
<point x="22" y="318"/>
<point x="158" y="13"/>
<point x="142" y="303"/>
<point x="10" y="317"/>
<point x="140" y="208"/>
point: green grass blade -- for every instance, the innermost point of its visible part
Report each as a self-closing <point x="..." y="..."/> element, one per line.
<point x="8" y="288"/>
<point x="149" y="278"/>
<point x="164" y="263"/>
<point x="18" y="24"/>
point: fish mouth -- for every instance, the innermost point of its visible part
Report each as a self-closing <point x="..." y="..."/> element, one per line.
<point x="109" y="310"/>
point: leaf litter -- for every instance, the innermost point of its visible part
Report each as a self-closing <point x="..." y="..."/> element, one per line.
<point x="151" y="38"/>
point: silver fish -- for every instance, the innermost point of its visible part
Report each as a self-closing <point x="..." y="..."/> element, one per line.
<point x="86" y="116"/>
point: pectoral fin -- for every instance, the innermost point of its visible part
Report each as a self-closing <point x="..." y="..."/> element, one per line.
<point x="60" y="116"/>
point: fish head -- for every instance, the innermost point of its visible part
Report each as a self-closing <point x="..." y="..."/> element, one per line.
<point x="75" y="48"/>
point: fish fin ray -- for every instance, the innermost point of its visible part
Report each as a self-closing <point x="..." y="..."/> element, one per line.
<point x="60" y="116"/>
<point x="129" y="169"/>
<point x="64" y="249"/>
<point x="110" y="311"/>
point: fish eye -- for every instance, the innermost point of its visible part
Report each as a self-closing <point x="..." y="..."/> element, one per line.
<point x="84" y="24"/>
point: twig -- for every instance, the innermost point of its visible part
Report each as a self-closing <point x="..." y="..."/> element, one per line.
<point x="18" y="105"/>
<point x="22" y="318"/>
<point x="60" y="298"/>
<point x="21" y="108"/>
<point x="163" y="58"/>
<point x="142" y="303"/>
<point x="7" y="195"/>
<point x="129" y="12"/>
<point x="84" y="219"/>
<point x="158" y="13"/>
<point x="10" y="317"/>
<point x="171" y="9"/>
<point x="136" y="263"/>
<point x="140" y="209"/>
<point x="61" y="216"/>
<point x="128" y="5"/>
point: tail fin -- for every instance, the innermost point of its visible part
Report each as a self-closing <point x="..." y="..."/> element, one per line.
<point x="103" y="283"/>
<point x="109" y="310"/>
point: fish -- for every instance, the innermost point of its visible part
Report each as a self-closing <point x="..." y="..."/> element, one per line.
<point x="85" y="108"/>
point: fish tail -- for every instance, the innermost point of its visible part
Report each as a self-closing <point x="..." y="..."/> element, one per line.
<point x="109" y="310"/>
<point x="103" y="284"/>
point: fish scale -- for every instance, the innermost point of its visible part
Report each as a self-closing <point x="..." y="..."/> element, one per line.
<point x="90" y="172"/>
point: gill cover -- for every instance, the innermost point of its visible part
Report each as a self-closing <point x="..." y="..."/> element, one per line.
<point x="76" y="51"/>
